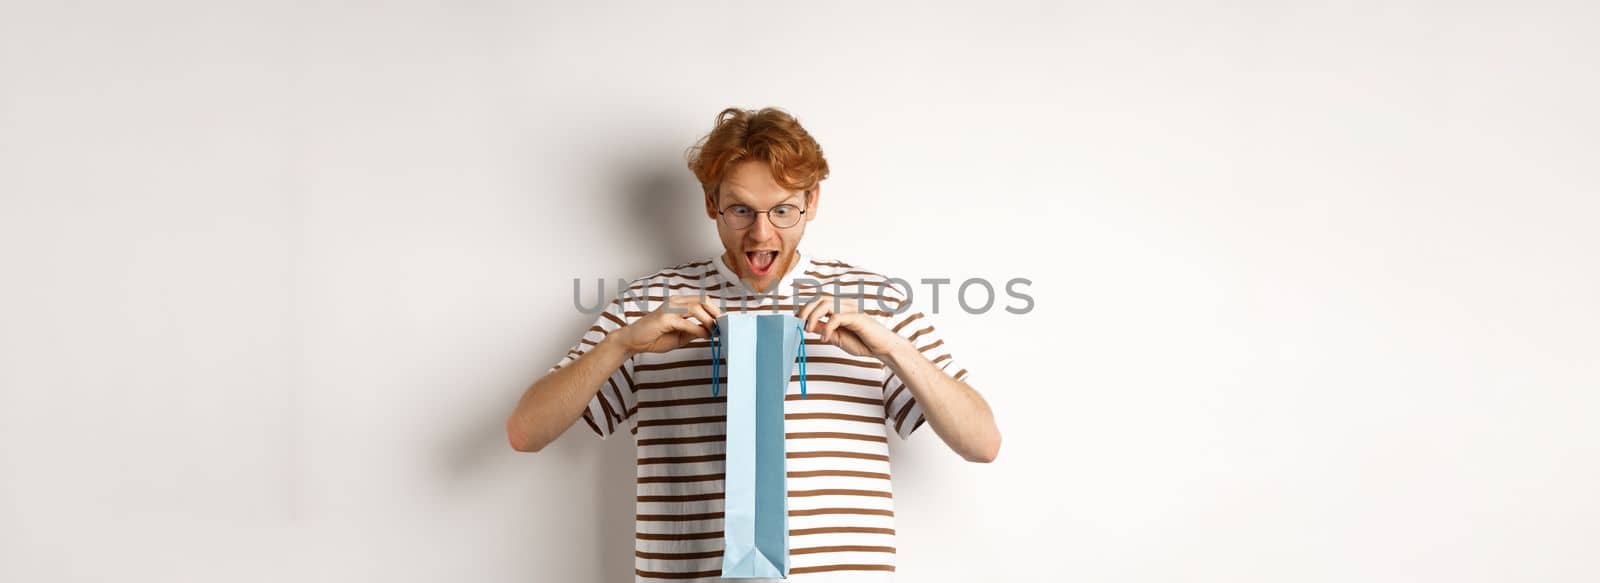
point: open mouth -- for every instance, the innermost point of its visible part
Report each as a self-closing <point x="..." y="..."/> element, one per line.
<point x="760" y="262"/>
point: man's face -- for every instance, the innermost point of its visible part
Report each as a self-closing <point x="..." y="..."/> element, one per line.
<point x="761" y="253"/>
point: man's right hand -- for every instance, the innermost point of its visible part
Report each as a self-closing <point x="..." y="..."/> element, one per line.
<point x="663" y="330"/>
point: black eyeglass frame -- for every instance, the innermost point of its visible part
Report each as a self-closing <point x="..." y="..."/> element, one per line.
<point x="723" y="213"/>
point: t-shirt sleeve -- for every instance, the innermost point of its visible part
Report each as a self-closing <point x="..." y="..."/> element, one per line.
<point x="614" y="403"/>
<point x="911" y="321"/>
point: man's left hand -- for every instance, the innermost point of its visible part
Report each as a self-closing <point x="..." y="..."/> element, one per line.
<point x="848" y="328"/>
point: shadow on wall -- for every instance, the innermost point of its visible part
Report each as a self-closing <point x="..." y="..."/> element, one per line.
<point x="658" y="219"/>
<point x="666" y="213"/>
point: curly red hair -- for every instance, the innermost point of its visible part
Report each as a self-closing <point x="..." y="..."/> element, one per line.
<point x="771" y="135"/>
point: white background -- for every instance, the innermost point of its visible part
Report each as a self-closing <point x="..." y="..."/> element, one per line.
<point x="1316" y="286"/>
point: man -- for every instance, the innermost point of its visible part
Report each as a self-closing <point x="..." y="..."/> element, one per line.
<point x="874" y="360"/>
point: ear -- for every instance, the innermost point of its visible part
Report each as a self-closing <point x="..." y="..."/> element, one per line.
<point x="711" y="206"/>
<point x="812" y="199"/>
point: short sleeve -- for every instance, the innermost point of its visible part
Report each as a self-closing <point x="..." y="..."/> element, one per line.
<point x="901" y="410"/>
<point x="614" y="402"/>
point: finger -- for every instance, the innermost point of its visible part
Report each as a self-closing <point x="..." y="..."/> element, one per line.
<point x="689" y="328"/>
<point x="713" y="309"/>
<point x="805" y="311"/>
<point x="823" y="302"/>
<point x="699" y="312"/>
<point x="834" y="322"/>
<point x="814" y="320"/>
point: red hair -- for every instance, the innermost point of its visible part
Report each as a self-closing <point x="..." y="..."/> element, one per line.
<point x="770" y="135"/>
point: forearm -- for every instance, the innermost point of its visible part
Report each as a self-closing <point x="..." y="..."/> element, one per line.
<point x="957" y="413"/>
<point x="556" y="401"/>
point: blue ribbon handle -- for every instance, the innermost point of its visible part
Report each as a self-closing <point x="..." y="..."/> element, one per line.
<point x="716" y="356"/>
<point x="802" y="360"/>
<point x="716" y="360"/>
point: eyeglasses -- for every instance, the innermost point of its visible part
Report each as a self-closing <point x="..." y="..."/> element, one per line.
<point x="741" y="217"/>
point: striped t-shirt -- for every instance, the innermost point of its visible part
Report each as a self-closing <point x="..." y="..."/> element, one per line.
<point x="841" y="509"/>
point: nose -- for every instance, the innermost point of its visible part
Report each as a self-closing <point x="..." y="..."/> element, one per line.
<point x="762" y="229"/>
